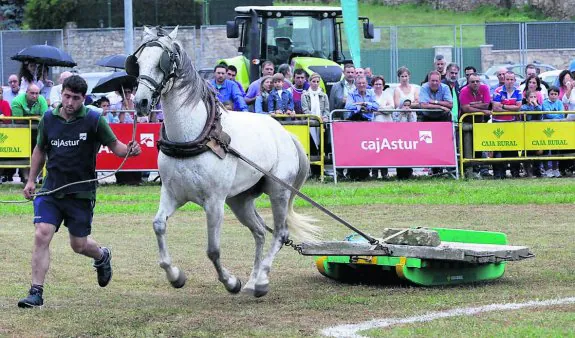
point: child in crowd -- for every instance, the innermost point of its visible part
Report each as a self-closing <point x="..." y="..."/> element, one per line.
<point x="405" y="116"/>
<point x="280" y="101"/>
<point x="229" y="105"/>
<point x="553" y="104"/>
<point x="531" y="103"/>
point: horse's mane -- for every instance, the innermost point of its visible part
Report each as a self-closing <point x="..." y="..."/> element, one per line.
<point x="195" y="86"/>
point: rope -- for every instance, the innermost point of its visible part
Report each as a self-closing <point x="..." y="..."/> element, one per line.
<point x="44" y="193"/>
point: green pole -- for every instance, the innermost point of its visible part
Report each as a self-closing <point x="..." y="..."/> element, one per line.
<point x="206" y="12"/>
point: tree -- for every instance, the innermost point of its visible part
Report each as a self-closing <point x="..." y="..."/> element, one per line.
<point x="46" y="14"/>
<point x="11" y="14"/>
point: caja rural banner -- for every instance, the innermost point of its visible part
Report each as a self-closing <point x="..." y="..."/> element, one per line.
<point x="15" y="142"/>
<point x="514" y="136"/>
<point x="376" y="144"/>
<point x="146" y="134"/>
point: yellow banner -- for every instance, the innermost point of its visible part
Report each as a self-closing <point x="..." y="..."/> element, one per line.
<point x="14" y="142"/>
<point x="550" y="135"/>
<point x="302" y="133"/>
<point x="502" y="136"/>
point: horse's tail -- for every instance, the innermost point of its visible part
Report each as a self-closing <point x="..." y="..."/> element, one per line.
<point x="301" y="226"/>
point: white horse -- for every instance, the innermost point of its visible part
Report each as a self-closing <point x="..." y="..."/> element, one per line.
<point x="165" y="71"/>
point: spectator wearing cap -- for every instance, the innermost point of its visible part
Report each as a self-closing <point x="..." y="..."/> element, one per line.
<point x="280" y="101"/>
<point x="439" y="66"/>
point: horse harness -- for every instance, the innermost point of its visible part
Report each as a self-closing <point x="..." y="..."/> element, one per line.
<point x="169" y="62"/>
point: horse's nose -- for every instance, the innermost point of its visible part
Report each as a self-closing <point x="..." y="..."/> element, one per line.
<point x="142" y="107"/>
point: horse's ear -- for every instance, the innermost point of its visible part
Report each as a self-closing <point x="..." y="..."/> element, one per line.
<point x="147" y="31"/>
<point x="174" y="33"/>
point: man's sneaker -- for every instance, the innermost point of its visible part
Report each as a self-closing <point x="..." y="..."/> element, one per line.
<point x="104" y="268"/>
<point x="34" y="299"/>
<point x="556" y="173"/>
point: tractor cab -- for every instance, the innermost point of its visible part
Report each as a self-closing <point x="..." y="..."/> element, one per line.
<point x="306" y="37"/>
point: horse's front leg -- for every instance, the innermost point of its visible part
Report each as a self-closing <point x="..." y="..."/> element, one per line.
<point x="215" y="214"/>
<point x="168" y="205"/>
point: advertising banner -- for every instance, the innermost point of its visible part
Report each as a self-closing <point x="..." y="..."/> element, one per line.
<point x="550" y="135"/>
<point x="501" y="136"/>
<point x="302" y="134"/>
<point x="146" y="134"/>
<point x="15" y="142"/>
<point x="375" y="144"/>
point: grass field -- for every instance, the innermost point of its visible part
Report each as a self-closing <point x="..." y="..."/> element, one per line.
<point x="139" y="302"/>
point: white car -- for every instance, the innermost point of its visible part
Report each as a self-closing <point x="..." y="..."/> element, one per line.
<point x="92" y="79"/>
<point x="551" y="77"/>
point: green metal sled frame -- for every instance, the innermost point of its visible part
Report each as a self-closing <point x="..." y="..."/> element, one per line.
<point x="418" y="271"/>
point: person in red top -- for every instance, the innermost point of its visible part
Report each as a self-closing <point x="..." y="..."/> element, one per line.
<point x="5" y="110"/>
<point x="476" y="98"/>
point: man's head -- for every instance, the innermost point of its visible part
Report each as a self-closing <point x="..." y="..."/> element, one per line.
<point x="509" y="80"/>
<point x="452" y="72"/>
<point x="299" y="78"/>
<point x="361" y="84"/>
<point x="278" y="81"/>
<point x="440" y="63"/>
<point x="232" y="72"/>
<point x="474" y="82"/>
<point x="14" y="83"/>
<point x="359" y="72"/>
<point x="530" y="69"/>
<point x="349" y="72"/>
<point x="501" y="75"/>
<point x="434" y="80"/>
<point x="285" y="69"/>
<point x="32" y="93"/>
<point x="267" y="68"/>
<point x="220" y="73"/>
<point x="368" y="72"/>
<point x="64" y="76"/>
<point x="469" y="70"/>
<point x="74" y="91"/>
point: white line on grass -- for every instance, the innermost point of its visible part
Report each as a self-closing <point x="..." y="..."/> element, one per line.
<point x="350" y="330"/>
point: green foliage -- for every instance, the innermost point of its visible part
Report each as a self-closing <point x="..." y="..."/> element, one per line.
<point x="11" y="14"/>
<point x="47" y="14"/>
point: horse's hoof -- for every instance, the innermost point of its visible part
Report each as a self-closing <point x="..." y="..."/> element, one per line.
<point x="261" y="290"/>
<point x="237" y="288"/>
<point x="180" y="282"/>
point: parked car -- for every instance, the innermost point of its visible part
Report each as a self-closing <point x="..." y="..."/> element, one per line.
<point x="551" y="77"/>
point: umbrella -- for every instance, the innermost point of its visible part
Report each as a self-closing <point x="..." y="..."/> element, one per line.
<point x="45" y="54"/>
<point x="115" y="81"/>
<point x="113" y="61"/>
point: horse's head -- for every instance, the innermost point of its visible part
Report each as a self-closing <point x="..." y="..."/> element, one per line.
<point x="154" y="63"/>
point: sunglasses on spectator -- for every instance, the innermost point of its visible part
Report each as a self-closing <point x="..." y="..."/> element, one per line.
<point x="475" y="81"/>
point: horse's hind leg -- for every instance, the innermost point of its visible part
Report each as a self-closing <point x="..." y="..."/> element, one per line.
<point x="243" y="207"/>
<point x="215" y="214"/>
<point x="279" y="200"/>
<point x="167" y="207"/>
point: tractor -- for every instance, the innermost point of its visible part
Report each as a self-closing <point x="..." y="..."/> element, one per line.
<point x="306" y="37"/>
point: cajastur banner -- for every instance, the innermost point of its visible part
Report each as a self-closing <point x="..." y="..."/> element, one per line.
<point x="376" y="144"/>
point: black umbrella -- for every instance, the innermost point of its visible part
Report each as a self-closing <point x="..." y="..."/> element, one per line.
<point x="115" y="81"/>
<point x="113" y="61"/>
<point x="45" y="54"/>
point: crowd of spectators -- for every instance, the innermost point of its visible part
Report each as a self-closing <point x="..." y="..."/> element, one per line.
<point x="364" y="97"/>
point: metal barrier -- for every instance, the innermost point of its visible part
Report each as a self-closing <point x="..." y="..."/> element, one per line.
<point x="517" y="136"/>
<point x="16" y="141"/>
<point x="301" y="126"/>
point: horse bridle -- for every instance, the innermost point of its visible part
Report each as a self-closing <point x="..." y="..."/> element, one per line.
<point x="169" y="62"/>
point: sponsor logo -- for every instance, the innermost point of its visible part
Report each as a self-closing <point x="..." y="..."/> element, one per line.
<point x="147" y="140"/>
<point x="3" y="137"/>
<point x="83" y="136"/>
<point x="549" y="132"/>
<point x="378" y="145"/>
<point x="426" y="136"/>
<point x="498" y="132"/>
<point x="104" y="149"/>
<point x="499" y="143"/>
<point x="64" y="143"/>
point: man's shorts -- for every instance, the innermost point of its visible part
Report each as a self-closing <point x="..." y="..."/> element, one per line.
<point x="76" y="213"/>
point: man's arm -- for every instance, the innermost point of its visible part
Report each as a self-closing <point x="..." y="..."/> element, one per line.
<point x="238" y="98"/>
<point x="17" y="111"/>
<point x="121" y="149"/>
<point x="38" y="160"/>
